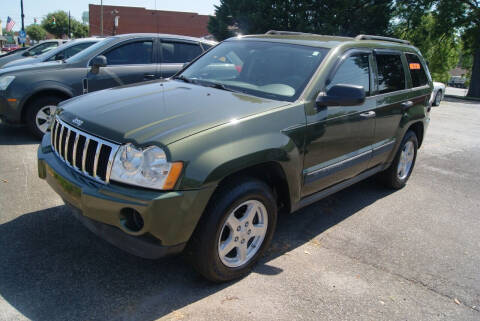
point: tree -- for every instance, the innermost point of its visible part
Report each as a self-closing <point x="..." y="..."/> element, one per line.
<point x="440" y="50"/>
<point x="333" y="17"/>
<point x="57" y="24"/>
<point x="36" y="32"/>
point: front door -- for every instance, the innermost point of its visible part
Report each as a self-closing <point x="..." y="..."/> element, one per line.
<point x="339" y="138"/>
<point x="128" y="62"/>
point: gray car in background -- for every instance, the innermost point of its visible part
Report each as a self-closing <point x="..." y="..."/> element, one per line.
<point x="35" y="50"/>
<point x="29" y="94"/>
<point x="62" y="52"/>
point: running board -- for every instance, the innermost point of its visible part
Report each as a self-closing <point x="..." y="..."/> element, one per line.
<point x="335" y="188"/>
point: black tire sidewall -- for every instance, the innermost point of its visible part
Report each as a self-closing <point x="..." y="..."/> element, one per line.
<point x="33" y="110"/>
<point x="436" y="101"/>
<point x="395" y="181"/>
<point x="207" y="259"/>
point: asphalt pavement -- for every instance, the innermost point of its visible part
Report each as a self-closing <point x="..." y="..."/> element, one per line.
<point x="365" y="253"/>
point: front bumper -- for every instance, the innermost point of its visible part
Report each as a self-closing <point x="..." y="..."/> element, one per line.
<point x="169" y="218"/>
<point x="9" y="110"/>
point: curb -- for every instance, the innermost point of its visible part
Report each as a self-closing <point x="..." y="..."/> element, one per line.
<point x="462" y="97"/>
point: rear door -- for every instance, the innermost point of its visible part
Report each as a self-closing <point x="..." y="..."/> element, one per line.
<point x="175" y="53"/>
<point x="392" y="97"/>
<point x="129" y="62"/>
<point x="339" y="138"/>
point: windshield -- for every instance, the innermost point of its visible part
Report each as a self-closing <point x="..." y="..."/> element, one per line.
<point x="267" y="69"/>
<point x="86" y="54"/>
<point x="41" y="48"/>
<point x="55" y="51"/>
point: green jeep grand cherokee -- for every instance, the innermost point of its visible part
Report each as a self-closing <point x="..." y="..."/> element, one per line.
<point x="203" y="162"/>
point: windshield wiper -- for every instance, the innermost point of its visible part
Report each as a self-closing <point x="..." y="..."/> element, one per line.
<point x="185" y="79"/>
<point x="217" y="85"/>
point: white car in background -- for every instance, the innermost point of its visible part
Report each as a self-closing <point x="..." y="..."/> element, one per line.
<point x="437" y="93"/>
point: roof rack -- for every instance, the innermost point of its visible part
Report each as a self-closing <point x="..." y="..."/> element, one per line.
<point x="279" y="32"/>
<point x="369" y="37"/>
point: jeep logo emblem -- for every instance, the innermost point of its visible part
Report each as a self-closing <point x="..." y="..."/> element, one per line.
<point x="77" y="122"/>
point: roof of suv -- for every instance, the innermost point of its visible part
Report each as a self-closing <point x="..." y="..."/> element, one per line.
<point x="324" y="41"/>
<point x="163" y="35"/>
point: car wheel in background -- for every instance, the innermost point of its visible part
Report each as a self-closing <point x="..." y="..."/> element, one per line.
<point x="40" y="114"/>
<point x="396" y="176"/>
<point x="438" y="98"/>
<point x="235" y="230"/>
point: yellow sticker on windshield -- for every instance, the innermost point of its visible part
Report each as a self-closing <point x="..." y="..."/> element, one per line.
<point x="222" y="59"/>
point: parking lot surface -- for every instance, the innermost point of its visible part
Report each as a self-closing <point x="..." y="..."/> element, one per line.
<point x="365" y="253"/>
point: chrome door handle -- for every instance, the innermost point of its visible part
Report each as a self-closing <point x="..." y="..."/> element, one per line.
<point x="407" y="104"/>
<point x="368" y="114"/>
<point x="148" y="76"/>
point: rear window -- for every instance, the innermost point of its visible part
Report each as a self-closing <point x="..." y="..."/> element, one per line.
<point x="419" y="76"/>
<point x="391" y="75"/>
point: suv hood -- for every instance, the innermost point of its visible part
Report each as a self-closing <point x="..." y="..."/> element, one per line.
<point x="160" y="111"/>
<point x="40" y="66"/>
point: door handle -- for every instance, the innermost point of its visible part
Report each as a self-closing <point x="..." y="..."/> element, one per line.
<point x="149" y="76"/>
<point x="407" y="104"/>
<point x="368" y="114"/>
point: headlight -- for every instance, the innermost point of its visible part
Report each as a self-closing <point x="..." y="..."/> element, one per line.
<point x="5" y="81"/>
<point x="146" y="168"/>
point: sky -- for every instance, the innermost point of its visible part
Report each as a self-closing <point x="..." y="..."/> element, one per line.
<point x="40" y="8"/>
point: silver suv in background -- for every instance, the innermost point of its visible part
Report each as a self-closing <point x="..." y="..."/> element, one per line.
<point x="62" y="52"/>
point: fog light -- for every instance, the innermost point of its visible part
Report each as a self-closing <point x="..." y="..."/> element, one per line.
<point x="131" y="219"/>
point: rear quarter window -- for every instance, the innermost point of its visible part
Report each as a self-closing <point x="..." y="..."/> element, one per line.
<point x="417" y="71"/>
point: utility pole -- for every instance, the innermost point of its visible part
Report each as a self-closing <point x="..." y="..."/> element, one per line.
<point x="23" y="16"/>
<point x="101" y="18"/>
<point x="68" y="36"/>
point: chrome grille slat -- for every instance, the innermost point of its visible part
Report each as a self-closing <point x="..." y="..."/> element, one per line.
<point x="65" y="148"/>
<point x="74" y="155"/>
<point x="59" y="150"/>
<point x="103" y="150"/>
<point x="95" y="161"/>
<point x="84" y="156"/>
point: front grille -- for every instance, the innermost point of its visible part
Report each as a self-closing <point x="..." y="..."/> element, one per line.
<point x="85" y="153"/>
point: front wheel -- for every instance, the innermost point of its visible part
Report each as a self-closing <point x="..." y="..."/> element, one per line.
<point x="40" y="114"/>
<point x="237" y="227"/>
<point x="438" y="98"/>
<point x="396" y="176"/>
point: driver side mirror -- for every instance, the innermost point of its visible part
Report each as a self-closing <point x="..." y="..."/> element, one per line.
<point x="26" y="54"/>
<point x="97" y="62"/>
<point x="60" y="56"/>
<point x="342" y="95"/>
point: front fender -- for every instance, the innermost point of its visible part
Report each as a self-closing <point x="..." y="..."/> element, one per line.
<point x="275" y="136"/>
<point x="50" y="85"/>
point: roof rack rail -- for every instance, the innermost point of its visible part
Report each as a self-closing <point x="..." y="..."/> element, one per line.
<point x="369" y="37"/>
<point x="280" y="32"/>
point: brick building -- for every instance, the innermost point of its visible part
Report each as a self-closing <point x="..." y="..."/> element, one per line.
<point x="135" y="19"/>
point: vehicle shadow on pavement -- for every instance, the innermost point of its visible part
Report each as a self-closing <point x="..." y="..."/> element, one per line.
<point x="16" y="135"/>
<point x="52" y="268"/>
<point x="462" y="101"/>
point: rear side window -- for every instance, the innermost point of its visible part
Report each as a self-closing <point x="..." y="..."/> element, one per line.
<point x="391" y="75"/>
<point x="355" y="70"/>
<point x="179" y="52"/>
<point x="419" y="76"/>
<point x="133" y="53"/>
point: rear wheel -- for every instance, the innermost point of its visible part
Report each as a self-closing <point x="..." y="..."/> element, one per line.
<point x="40" y="114"/>
<point x="396" y="176"/>
<point x="237" y="227"/>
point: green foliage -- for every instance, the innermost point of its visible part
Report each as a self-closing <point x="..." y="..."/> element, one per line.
<point x="60" y="27"/>
<point x="333" y="17"/>
<point x="7" y="33"/>
<point x="36" y="32"/>
<point x="440" y="50"/>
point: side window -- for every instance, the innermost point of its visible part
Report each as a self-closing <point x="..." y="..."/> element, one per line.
<point x="132" y="53"/>
<point x="355" y="70"/>
<point x="419" y="77"/>
<point x="73" y="50"/>
<point x="179" y="52"/>
<point x="391" y="75"/>
<point x="44" y="47"/>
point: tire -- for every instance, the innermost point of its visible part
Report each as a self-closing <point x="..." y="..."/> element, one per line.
<point x="438" y="98"/>
<point x="215" y="230"/>
<point x="42" y="104"/>
<point x="392" y="177"/>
